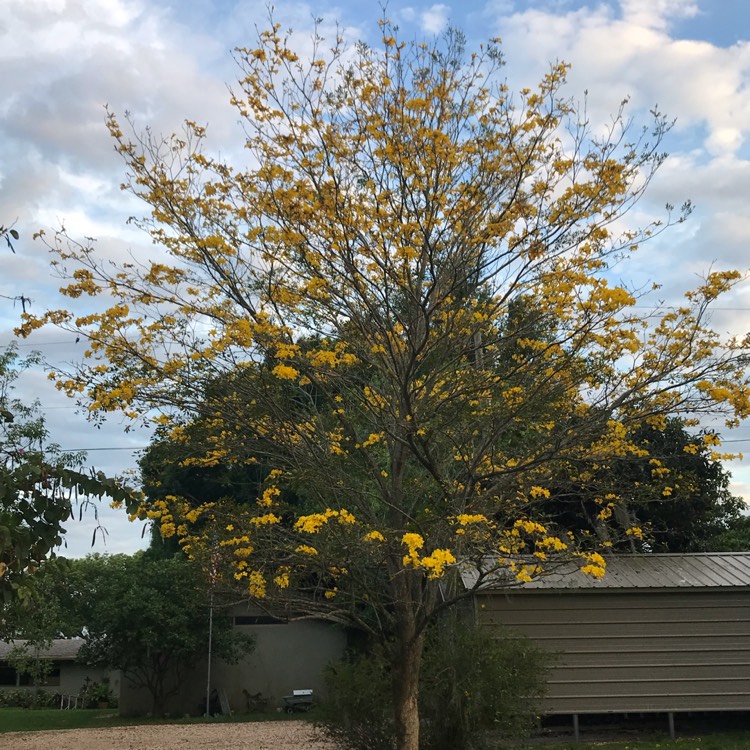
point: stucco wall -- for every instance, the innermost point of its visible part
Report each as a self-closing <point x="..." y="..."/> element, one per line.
<point x="287" y="656"/>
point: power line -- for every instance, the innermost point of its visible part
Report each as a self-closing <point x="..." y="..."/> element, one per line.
<point x="42" y="343"/>
<point x="116" y="448"/>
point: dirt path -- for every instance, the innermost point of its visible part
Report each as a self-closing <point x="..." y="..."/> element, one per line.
<point x="280" y="735"/>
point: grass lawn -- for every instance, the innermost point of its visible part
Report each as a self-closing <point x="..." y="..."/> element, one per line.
<point x="721" y="741"/>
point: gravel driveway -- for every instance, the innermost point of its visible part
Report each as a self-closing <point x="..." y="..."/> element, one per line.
<point x="271" y="735"/>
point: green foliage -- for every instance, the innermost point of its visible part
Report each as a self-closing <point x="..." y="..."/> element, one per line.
<point x="27" y="659"/>
<point x="94" y="693"/>
<point x="39" y="484"/>
<point x="734" y="538"/>
<point x="149" y="618"/>
<point x="358" y="711"/>
<point x="471" y="686"/>
<point x="474" y="684"/>
<point x="44" y="613"/>
<point x="677" y="492"/>
<point x="25" y="698"/>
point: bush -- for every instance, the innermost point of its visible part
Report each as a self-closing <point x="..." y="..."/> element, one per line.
<point x="475" y="684"/>
<point x="357" y="712"/>
<point x="92" y="694"/>
<point x="472" y="685"/>
<point x="28" y="698"/>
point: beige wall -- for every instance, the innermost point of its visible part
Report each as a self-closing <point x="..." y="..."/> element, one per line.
<point x="286" y="657"/>
<point x="635" y="651"/>
<point x="72" y="677"/>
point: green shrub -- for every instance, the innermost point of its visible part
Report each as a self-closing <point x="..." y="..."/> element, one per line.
<point x="92" y="694"/>
<point x="472" y="686"/>
<point x="28" y="698"/>
<point x="357" y="712"/>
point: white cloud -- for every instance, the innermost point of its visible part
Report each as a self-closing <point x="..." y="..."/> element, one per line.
<point x="697" y="82"/>
<point x="407" y="14"/>
<point x="657" y="13"/>
<point x="435" y="19"/>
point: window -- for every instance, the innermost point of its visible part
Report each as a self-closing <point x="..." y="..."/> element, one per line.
<point x="10" y="678"/>
<point x="7" y="675"/>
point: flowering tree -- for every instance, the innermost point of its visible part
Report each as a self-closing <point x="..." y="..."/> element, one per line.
<point x="342" y="312"/>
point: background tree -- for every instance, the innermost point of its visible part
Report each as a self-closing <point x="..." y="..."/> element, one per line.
<point x="736" y="538"/>
<point x="353" y="287"/>
<point x="39" y="484"/>
<point x="671" y="494"/>
<point x="148" y="618"/>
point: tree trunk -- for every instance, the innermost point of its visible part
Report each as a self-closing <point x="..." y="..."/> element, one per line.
<point x="408" y="660"/>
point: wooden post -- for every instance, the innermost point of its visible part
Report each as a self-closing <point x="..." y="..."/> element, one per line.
<point x="576" y="728"/>
<point x="670" y="715"/>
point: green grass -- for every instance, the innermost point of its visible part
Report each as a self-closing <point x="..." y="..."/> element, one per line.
<point x="719" y="741"/>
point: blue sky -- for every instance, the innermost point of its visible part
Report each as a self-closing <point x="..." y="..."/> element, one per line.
<point x="62" y="61"/>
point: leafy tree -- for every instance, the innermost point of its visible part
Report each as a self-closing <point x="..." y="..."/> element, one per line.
<point x="149" y="618"/>
<point x="39" y="484"/>
<point x="735" y="538"/>
<point x="683" y="501"/>
<point x="352" y="289"/>
<point x="671" y="494"/>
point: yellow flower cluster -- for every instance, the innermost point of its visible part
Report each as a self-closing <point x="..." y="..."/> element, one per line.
<point x="269" y="496"/>
<point x="413" y="542"/>
<point x="306" y="549"/>
<point x="315" y="521"/>
<point x="265" y="520"/>
<point x="282" y="578"/>
<point x="374" y="536"/>
<point x="434" y="563"/>
<point x="256" y="584"/>
<point x="530" y="527"/>
<point x="596" y="564"/>
<point x="285" y="372"/>
<point x="539" y="492"/>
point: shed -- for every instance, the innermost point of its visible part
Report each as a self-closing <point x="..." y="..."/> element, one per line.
<point x="659" y="633"/>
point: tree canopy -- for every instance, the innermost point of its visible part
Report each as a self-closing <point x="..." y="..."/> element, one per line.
<point x="149" y="618"/>
<point x="40" y="485"/>
<point x="342" y="311"/>
<point x="673" y="489"/>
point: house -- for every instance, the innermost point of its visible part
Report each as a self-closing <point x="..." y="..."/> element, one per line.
<point x="66" y="677"/>
<point x="661" y="633"/>
<point x="288" y="655"/>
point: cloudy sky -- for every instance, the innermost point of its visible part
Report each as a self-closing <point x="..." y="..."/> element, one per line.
<point x="63" y="61"/>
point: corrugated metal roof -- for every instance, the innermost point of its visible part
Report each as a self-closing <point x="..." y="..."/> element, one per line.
<point x="657" y="571"/>
<point x="62" y="649"/>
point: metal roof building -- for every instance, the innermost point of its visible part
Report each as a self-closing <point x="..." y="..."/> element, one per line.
<point x="659" y="633"/>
